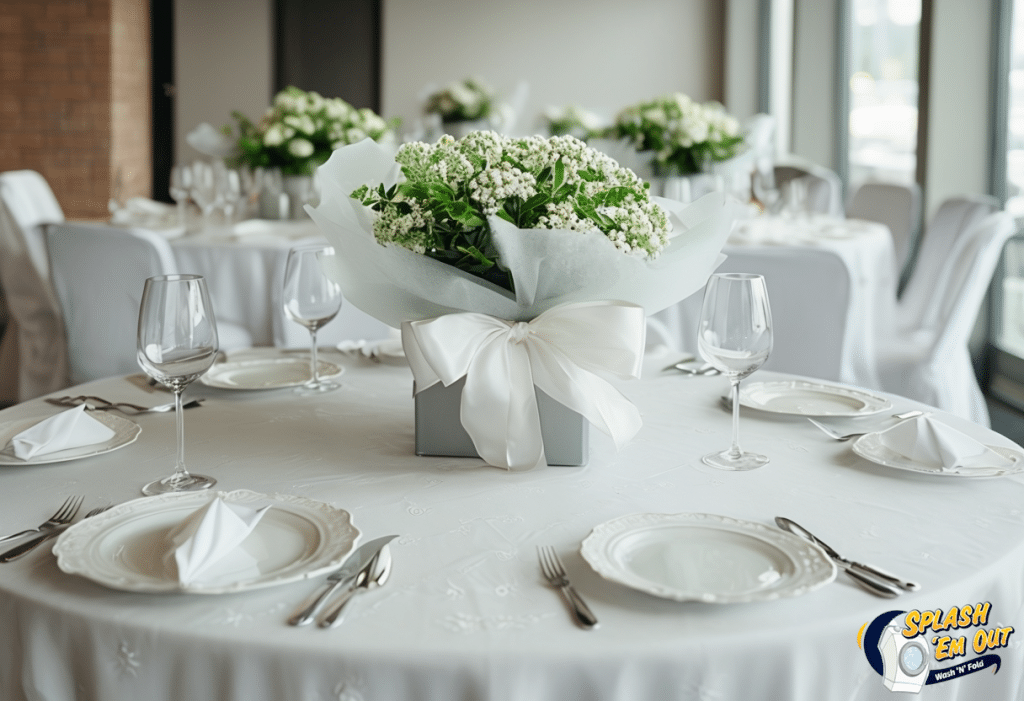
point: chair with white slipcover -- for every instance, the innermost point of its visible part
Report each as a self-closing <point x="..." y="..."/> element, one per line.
<point x="809" y="317"/>
<point x="33" y="353"/>
<point x="824" y="189"/>
<point x="918" y="304"/>
<point x="898" y="206"/>
<point x="99" y="272"/>
<point x="931" y="362"/>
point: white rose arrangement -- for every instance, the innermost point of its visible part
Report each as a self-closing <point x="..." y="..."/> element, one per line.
<point x="301" y="130"/>
<point x="464" y="100"/>
<point x="452" y="189"/>
<point x="684" y="135"/>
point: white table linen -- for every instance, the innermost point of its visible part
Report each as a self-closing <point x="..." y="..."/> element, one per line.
<point x="245" y="273"/>
<point x="466" y="614"/>
<point x="865" y="248"/>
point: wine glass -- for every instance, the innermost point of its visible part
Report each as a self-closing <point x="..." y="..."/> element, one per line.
<point x="735" y="337"/>
<point x="177" y="343"/>
<point x="181" y="184"/>
<point x="311" y="299"/>
<point x="204" y="190"/>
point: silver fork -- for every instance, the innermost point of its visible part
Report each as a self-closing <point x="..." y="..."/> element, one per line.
<point x="553" y="570"/>
<point x="67" y="511"/>
<point x="28" y="546"/>
<point x="101" y="404"/>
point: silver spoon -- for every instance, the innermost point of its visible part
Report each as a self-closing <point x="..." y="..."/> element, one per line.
<point x="372" y="576"/>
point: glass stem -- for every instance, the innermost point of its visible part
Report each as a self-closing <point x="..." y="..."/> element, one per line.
<point x="180" y="472"/>
<point x="734" y="450"/>
<point x="313" y="367"/>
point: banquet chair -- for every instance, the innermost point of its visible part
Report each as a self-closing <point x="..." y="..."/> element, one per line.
<point x="931" y="363"/>
<point x="896" y="205"/>
<point x="99" y="272"/>
<point x="918" y="305"/>
<point x="809" y="295"/>
<point x="824" y="188"/>
<point x="33" y="352"/>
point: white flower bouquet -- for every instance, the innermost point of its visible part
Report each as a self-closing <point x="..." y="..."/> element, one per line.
<point x="573" y="120"/>
<point x="465" y="100"/>
<point x="301" y="129"/>
<point x="515" y="264"/>
<point x="683" y="135"/>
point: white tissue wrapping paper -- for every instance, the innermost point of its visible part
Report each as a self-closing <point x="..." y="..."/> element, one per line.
<point x="205" y="546"/>
<point x="69" y="429"/>
<point x="931" y="442"/>
<point x="550" y="267"/>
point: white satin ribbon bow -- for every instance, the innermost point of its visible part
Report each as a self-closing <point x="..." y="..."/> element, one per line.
<point x="559" y="352"/>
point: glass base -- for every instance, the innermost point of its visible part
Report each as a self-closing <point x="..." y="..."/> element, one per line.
<point x="176" y="483"/>
<point x="318" y="388"/>
<point x="727" y="460"/>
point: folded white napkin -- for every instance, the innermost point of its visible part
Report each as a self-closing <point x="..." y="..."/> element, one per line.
<point x="205" y="546"/>
<point x="69" y="429"/>
<point x="929" y="441"/>
<point x="210" y="141"/>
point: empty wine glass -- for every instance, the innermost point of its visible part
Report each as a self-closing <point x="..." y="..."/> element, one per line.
<point x="735" y="337"/>
<point x="311" y="299"/>
<point x="177" y="342"/>
<point x="181" y="184"/>
<point x="204" y="190"/>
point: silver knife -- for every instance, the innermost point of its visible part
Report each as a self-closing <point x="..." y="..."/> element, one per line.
<point x="852" y="568"/>
<point x="345" y="575"/>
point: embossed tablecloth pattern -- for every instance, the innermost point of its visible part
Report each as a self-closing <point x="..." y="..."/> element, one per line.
<point x="466" y="614"/>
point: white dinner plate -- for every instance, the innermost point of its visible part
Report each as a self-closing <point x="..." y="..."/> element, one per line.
<point x="870" y="447"/>
<point x="125" y="432"/>
<point x="124" y="548"/>
<point x="705" y="557"/>
<point x="804" y="398"/>
<point x="265" y="373"/>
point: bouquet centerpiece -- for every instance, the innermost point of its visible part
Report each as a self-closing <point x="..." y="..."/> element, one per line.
<point x="301" y="129"/>
<point x="684" y="135"/>
<point x="574" y="120"/>
<point x="465" y="100"/>
<point x="514" y="265"/>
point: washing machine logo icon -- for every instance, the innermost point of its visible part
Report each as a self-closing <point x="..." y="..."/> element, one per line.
<point x="911" y="650"/>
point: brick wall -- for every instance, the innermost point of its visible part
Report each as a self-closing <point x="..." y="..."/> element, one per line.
<point x="60" y="97"/>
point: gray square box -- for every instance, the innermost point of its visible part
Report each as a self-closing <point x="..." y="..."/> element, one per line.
<point x="439" y="428"/>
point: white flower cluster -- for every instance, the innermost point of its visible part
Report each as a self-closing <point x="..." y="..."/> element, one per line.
<point x="674" y="124"/>
<point x="491" y="171"/>
<point x="572" y="119"/>
<point x="300" y="129"/>
<point x="462" y="100"/>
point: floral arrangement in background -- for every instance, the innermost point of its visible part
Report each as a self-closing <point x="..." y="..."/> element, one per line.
<point x="301" y="129"/>
<point x="684" y="135"/>
<point x="573" y="120"/>
<point x="451" y="189"/>
<point x="464" y="100"/>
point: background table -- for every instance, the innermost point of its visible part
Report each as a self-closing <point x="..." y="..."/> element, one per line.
<point x="792" y="247"/>
<point x="245" y="273"/>
<point x="466" y="614"/>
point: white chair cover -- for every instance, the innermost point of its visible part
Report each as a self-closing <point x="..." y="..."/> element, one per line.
<point x="918" y="305"/>
<point x="99" y="272"/>
<point x="809" y="319"/>
<point x="824" y="188"/>
<point x="896" y="205"/>
<point x="932" y="363"/>
<point x="34" y="349"/>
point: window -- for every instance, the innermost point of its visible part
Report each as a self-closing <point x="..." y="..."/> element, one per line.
<point x="883" y="90"/>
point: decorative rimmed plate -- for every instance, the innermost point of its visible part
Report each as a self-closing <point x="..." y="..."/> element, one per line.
<point x="705" y="557"/>
<point x="804" y="398"/>
<point x="123" y="548"/>
<point x="870" y="447"/>
<point x="265" y="373"/>
<point x="125" y="432"/>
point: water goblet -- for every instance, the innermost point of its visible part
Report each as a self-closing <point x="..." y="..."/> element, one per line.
<point x="177" y="342"/>
<point x="181" y="184"/>
<point x="311" y="299"/>
<point x="735" y="337"/>
<point x="204" y="190"/>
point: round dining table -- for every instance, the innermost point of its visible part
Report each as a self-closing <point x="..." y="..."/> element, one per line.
<point x="466" y="613"/>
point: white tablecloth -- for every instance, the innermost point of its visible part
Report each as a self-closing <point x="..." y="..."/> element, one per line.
<point x="245" y="273"/>
<point x="865" y="248"/>
<point x="466" y="614"/>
